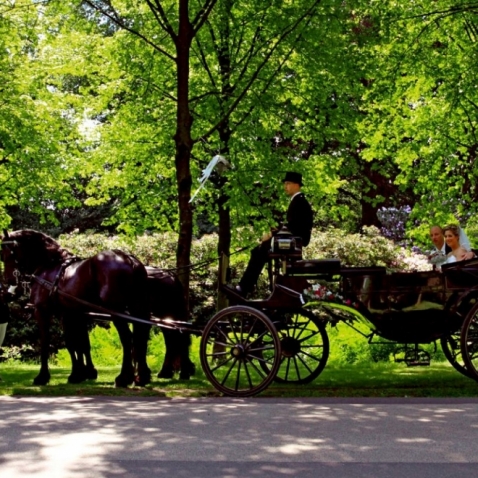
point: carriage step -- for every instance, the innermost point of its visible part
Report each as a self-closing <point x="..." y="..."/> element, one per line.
<point x="419" y="363"/>
<point x="413" y="363"/>
<point x="412" y="357"/>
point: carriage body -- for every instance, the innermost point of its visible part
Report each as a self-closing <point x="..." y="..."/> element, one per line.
<point x="407" y="309"/>
<point x="404" y="307"/>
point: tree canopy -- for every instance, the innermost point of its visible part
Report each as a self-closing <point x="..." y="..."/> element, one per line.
<point x="110" y="109"/>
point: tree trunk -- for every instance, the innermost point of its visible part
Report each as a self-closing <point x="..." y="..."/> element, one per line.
<point x="184" y="146"/>
<point x="224" y="58"/>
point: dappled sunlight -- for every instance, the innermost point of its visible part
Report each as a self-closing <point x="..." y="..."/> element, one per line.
<point x="298" y="446"/>
<point x="63" y="436"/>
<point x="413" y="440"/>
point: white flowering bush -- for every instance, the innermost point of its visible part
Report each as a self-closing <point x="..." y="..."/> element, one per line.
<point x="365" y="249"/>
<point x="368" y="248"/>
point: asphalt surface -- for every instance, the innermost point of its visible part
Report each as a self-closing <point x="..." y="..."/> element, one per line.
<point x="229" y="438"/>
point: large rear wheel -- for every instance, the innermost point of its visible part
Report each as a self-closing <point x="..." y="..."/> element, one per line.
<point x="240" y="351"/>
<point x="469" y="342"/>
<point x="452" y="349"/>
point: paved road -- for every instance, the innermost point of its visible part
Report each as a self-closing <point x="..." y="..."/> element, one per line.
<point x="231" y="438"/>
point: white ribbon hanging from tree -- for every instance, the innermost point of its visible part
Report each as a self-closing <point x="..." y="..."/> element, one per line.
<point x="222" y="165"/>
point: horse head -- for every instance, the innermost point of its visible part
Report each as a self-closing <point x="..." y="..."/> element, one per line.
<point x="25" y="251"/>
<point x="9" y="261"/>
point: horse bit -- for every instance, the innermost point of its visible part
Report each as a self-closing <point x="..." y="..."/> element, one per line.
<point x="25" y="284"/>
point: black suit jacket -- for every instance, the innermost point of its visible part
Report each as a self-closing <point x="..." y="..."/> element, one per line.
<point x="299" y="218"/>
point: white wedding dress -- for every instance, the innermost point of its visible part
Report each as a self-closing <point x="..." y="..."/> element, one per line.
<point x="450" y="259"/>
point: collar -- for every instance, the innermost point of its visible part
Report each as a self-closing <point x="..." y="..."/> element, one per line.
<point x="296" y="194"/>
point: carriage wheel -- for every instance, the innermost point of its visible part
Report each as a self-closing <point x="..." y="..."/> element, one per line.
<point x="452" y="350"/>
<point x="304" y="346"/>
<point x="469" y="342"/>
<point x="235" y="345"/>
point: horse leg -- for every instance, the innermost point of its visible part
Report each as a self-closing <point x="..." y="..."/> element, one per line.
<point x="140" y="349"/>
<point x="126" y="376"/>
<point x="177" y="355"/>
<point x="78" y="345"/>
<point x="43" y="321"/>
<point x="187" y="366"/>
<point x="3" y="329"/>
<point x="72" y="330"/>
<point x="90" y="371"/>
<point x="167" y="370"/>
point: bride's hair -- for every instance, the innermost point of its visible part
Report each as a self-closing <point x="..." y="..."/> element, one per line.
<point x="453" y="228"/>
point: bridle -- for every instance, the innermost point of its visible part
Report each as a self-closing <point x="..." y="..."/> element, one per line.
<point x="21" y="279"/>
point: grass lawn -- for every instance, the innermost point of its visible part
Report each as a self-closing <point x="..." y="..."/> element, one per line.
<point x="377" y="380"/>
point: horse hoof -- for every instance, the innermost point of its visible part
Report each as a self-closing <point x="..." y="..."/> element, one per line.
<point x="165" y="374"/>
<point x="141" y="382"/>
<point x="188" y="371"/>
<point x="76" y="378"/>
<point x="91" y="374"/>
<point x="121" y="382"/>
<point x="41" y="381"/>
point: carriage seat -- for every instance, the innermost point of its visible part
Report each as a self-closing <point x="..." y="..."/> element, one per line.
<point x="314" y="267"/>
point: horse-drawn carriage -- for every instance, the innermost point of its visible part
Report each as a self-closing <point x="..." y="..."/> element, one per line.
<point x="408" y="309"/>
<point x="251" y="343"/>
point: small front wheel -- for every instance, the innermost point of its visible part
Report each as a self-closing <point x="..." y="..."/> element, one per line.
<point x="240" y="351"/>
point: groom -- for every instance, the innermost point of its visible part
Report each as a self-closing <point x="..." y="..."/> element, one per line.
<point x="299" y="220"/>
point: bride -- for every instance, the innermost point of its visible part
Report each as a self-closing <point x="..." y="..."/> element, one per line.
<point x="453" y="234"/>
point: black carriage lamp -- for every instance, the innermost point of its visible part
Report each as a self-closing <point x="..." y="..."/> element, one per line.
<point x="285" y="246"/>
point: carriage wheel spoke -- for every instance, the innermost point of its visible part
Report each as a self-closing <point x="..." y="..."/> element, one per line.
<point x="313" y="357"/>
<point x="222" y="364"/>
<point x="238" y="375"/>
<point x="296" y="365"/>
<point x="251" y="329"/>
<point x="310" y="336"/>
<point x="299" y="356"/>
<point x="227" y="339"/>
<point x="226" y="376"/>
<point x="287" y="370"/>
<point x="249" y="379"/>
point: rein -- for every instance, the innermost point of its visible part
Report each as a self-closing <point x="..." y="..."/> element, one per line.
<point x="176" y="325"/>
<point x="192" y="267"/>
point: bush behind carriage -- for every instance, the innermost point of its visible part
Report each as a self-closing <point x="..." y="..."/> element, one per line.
<point x="365" y="249"/>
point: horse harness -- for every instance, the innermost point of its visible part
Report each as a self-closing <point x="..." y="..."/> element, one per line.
<point x="53" y="288"/>
<point x="25" y="280"/>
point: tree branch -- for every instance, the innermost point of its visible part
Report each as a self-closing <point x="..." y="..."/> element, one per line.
<point x="202" y="15"/>
<point x="162" y="18"/>
<point x="117" y="20"/>
<point x="285" y="33"/>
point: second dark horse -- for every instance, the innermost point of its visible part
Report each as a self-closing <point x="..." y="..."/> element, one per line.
<point x="63" y="285"/>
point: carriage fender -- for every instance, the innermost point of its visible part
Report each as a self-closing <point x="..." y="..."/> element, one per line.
<point x="464" y="302"/>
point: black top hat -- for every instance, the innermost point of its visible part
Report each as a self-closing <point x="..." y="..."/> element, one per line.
<point x="293" y="177"/>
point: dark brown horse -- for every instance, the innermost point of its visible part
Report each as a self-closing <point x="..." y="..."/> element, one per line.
<point x="64" y="285"/>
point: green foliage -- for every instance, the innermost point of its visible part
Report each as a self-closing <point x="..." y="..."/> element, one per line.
<point x="348" y="347"/>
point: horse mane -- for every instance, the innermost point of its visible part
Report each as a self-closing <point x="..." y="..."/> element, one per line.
<point x="41" y="245"/>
